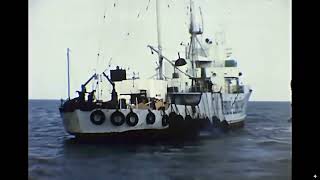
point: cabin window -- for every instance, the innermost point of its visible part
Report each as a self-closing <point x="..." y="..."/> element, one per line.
<point x="232" y="84"/>
<point x="230" y="63"/>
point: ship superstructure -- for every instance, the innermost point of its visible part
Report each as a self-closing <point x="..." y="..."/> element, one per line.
<point x="205" y="92"/>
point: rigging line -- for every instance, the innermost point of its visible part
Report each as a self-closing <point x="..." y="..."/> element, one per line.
<point x="171" y="2"/>
<point x="186" y="14"/>
<point x="101" y="23"/>
<point x="166" y="77"/>
<point x="152" y="76"/>
<point x="97" y="61"/>
<point x="98" y="54"/>
<point x="148" y="5"/>
<point x="105" y="11"/>
<point x="111" y="10"/>
<point x="107" y="18"/>
<point x="130" y="31"/>
<point x="100" y="36"/>
<point x="235" y="99"/>
<point x="141" y="13"/>
<point x="106" y="14"/>
<point x="177" y="109"/>
<point x="201" y="47"/>
<point x="115" y="3"/>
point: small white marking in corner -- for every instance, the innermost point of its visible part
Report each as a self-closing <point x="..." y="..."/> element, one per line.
<point x="315" y="176"/>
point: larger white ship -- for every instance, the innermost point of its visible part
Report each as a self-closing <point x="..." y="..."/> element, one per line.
<point x="204" y="93"/>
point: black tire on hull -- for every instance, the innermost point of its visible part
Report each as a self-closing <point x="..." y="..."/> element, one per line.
<point x="191" y="123"/>
<point x="179" y="117"/>
<point x="97" y="117"/>
<point x="176" y="125"/>
<point x="175" y="120"/>
<point x="172" y="115"/>
<point x="191" y="127"/>
<point x="165" y="120"/>
<point x="188" y="118"/>
<point x="151" y="118"/>
<point x="117" y="118"/>
<point x="132" y="119"/>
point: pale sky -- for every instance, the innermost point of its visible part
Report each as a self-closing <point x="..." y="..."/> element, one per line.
<point x="258" y="31"/>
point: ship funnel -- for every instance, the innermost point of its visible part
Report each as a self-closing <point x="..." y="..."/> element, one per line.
<point x="180" y="61"/>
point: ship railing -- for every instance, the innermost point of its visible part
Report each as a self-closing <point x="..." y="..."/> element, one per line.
<point x="199" y="88"/>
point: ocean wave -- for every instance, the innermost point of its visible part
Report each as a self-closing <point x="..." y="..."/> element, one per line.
<point x="270" y="128"/>
<point x="36" y="160"/>
<point x="40" y="173"/>
<point x="242" y="160"/>
<point x="271" y="142"/>
<point x="284" y="160"/>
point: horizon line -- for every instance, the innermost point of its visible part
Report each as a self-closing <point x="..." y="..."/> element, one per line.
<point x="249" y="100"/>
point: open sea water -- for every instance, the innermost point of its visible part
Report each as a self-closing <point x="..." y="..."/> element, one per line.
<point x="261" y="150"/>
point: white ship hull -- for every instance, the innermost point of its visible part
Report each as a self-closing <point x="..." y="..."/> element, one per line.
<point x="78" y="122"/>
<point x="226" y="107"/>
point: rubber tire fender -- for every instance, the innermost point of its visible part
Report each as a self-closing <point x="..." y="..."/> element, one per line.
<point x="117" y="114"/>
<point x="165" y="120"/>
<point x="151" y="118"/>
<point x="129" y="117"/>
<point x="97" y="113"/>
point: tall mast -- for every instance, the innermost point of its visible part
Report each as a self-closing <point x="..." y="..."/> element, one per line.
<point x="68" y="50"/>
<point x="192" y="39"/>
<point x="159" y="40"/>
